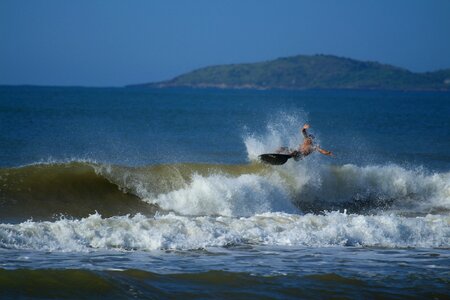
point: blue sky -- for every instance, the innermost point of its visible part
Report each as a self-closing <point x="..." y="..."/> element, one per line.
<point x="113" y="43"/>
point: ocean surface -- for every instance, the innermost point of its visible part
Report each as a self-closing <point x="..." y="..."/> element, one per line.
<point x="140" y="193"/>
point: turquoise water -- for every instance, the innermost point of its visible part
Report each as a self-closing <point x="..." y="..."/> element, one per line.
<point x="159" y="194"/>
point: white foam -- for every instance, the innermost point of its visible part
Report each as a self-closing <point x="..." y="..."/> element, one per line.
<point x="181" y="232"/>
<point x="219" y="194"/>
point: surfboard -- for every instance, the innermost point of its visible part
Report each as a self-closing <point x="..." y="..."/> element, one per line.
<point x="274" y="158"/>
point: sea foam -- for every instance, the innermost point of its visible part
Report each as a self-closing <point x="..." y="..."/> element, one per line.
<point x="172" y="231"/>
<point x="218" y="194"/>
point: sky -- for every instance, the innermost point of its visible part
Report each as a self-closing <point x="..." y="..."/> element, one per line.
<point x="115" y="43"/>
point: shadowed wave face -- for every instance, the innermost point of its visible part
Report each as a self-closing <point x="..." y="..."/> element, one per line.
<point x="45" y="192"/>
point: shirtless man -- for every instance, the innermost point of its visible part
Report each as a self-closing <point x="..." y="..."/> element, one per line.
<point x="306" y="148"/>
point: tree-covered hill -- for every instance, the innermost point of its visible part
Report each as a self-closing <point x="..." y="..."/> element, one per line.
<point x="310" y="72"/>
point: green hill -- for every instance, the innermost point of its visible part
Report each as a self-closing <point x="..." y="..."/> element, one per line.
<point x="310" y="72"/>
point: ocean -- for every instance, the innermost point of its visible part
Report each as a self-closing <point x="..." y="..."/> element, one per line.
<point x="158" y="194"/>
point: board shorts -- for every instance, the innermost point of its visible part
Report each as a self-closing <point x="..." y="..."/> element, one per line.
<point x="297" y="155"/>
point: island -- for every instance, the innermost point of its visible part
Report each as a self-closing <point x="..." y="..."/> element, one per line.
<point x="309" y="72"/>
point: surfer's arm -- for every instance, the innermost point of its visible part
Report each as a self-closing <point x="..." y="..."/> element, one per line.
<point x="324" y="152"/>
<point x="305" y="134"/>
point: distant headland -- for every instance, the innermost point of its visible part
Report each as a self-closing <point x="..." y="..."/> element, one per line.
<point x="309" y="72"/>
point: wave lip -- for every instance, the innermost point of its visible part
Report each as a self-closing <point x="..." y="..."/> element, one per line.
<point x="172" y="231"/>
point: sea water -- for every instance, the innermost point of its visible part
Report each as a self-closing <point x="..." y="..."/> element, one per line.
<point x="154" y="193"/>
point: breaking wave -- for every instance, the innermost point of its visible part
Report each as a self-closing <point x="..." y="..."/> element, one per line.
<point x="83" y="205"/>
<point x="80" y="189"/>
<point x="191" y="206"/>
<point x="172" y="231"/>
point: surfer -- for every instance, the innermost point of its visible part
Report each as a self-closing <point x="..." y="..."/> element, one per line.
<point x="305" y="148"/>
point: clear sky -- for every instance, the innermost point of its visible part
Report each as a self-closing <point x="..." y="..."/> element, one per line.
<point x="113" y="43"/>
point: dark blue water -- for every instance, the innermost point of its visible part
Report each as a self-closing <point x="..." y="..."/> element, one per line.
<point x="158" y="194"/>
<point x="139" y="127"/>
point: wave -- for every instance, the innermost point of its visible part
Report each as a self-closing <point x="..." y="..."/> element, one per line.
<point x="78" y="189"/>
<point x="86" y="205"/>
<point x="43" y="191"/>
<point x="305" y="187"/>
<point x="171" y="231"/>
<point x="373" y="188"/>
